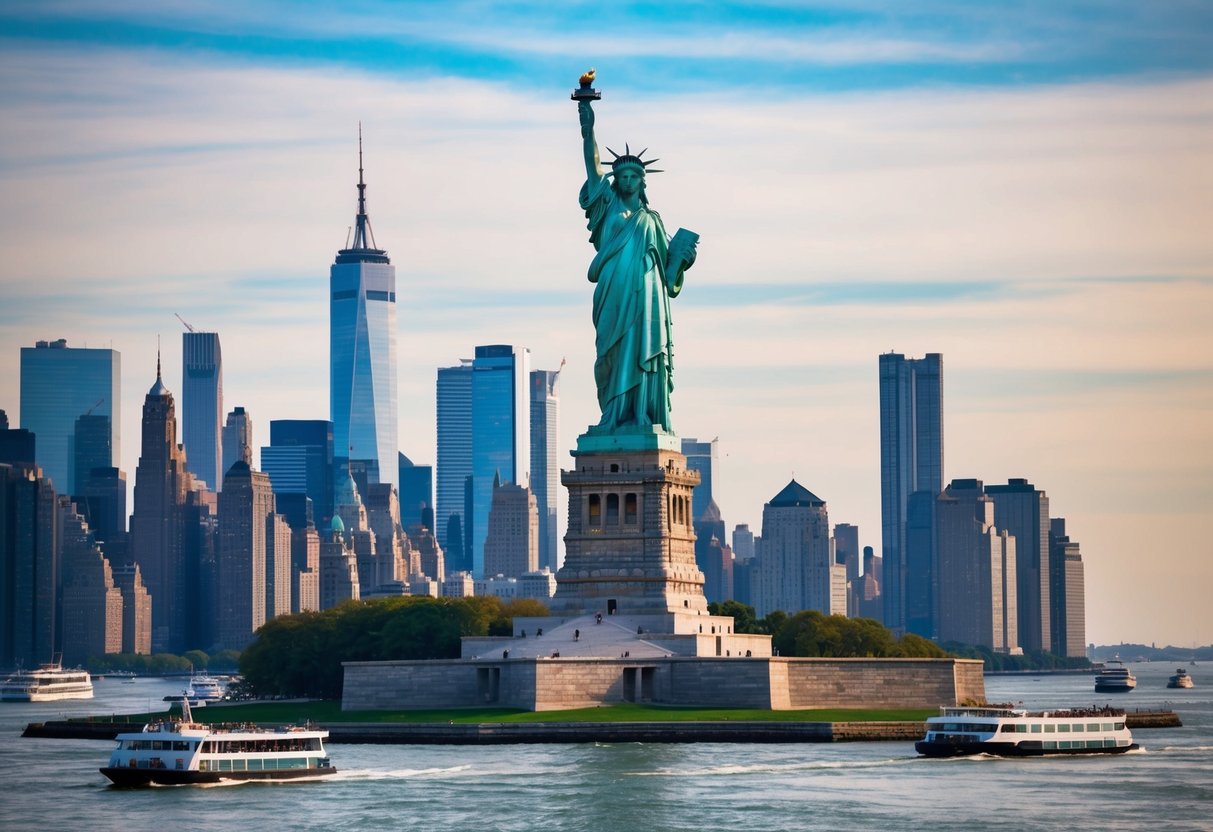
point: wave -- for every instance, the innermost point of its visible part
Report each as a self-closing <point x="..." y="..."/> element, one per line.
<point x="771" y="768"/>
<point x="1172" y="749"/>
<point x="394" y="774"/>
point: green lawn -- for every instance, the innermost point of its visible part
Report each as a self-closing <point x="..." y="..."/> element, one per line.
<point x="324" y="712"/>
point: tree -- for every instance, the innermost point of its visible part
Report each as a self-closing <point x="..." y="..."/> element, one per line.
<point x="301" y="655"/>
<point x="744" y="619"/>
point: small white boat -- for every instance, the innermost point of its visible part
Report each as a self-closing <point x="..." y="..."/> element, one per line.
<point x="48" y="683"/>
<point x="184" y="752"/>
<point x="1181" y="679"/>
<point x="1010" y="732"/>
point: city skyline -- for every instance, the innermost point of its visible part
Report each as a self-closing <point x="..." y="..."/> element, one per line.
<point x="1030" y="203"/>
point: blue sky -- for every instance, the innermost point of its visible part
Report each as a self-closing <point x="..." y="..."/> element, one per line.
<point x="1023" y="187"/>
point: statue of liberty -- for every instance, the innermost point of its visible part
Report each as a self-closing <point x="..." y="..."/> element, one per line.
<point x="636" y="270"/>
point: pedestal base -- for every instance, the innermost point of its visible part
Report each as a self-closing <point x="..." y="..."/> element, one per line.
<point x="630" y="547"/>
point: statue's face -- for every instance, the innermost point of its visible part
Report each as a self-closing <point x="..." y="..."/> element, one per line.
<point x="628" y="181"/>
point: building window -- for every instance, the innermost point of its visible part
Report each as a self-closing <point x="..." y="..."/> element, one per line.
<point x="595" y="511"/>
<point x="612" y="514"/>
<point x="629" y="509"/>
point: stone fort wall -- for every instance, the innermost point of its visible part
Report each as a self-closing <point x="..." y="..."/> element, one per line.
<point x="557" y="684"/>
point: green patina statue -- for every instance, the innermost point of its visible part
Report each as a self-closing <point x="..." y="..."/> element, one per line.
<point x="637" y="269"/>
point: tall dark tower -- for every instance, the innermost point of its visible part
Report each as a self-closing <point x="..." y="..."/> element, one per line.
<point x="158" y="521"/>
<point x="911" y="459"/>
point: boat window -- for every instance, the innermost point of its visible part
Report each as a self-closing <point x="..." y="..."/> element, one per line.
<point x="1008" y="729"/>
<point x="1107" y="726"/>
<point x="1050" y="745"/>
<point x="179" y="745"/>
<point x="1035" y="727"/>
<point x="1021" y="729"/>
<point x="1063" y="728"/>
<point x="1119" y="726"/>
<point x="1050" y="728"/>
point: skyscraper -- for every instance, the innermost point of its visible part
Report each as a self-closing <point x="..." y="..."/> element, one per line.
<point x="911" y="459"/>
<point x="511" y="546"/>
<point x="976" y="587"/>
<point x="501" y="432"/>
<point x="158" y="522"/>
<point x="1023" y="510"/>
<point x="1067" y="592"/>
<point x="91" y="449"/>
<point x="29" y="566"/>
<point x="237" y="441"/>
<point x="246" y="508"/>
<point x="846" y="549"/>
<point x="299" y="460"/>
<point x="794" y="571"/>
<point x="416" y="493"/>
<point x="454" y="417"/>
<point x="91" y="603"/>
<point x="59" y="384"/>
<point x="701" y="457"/>
<point x="202" y="406"/>
<point x="362" y="350"/>
<point x="545" y="468"/>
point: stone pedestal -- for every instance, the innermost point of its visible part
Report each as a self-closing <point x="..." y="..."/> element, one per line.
<point x="630" y="547"/>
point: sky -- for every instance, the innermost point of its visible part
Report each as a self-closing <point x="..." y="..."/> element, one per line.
<point x="1026" y="188"/>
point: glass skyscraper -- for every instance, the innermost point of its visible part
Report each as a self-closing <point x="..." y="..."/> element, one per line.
<point x="362" y="351"/>
<point x="911" y="459"/>
<point x="202" y="406"/>
<point x="501" y="433"/>
<point x="701" y="457"/>
<point x="454" y="416"/>
<point x="58" y="385"/>
<point x="299" y="460"/>
<point x="545" y="470"/>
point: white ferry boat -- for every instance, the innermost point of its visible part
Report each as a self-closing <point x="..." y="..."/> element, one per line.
<point x="1181" y="679"/>
<point x="181" y="752"/>
<point x="1115" y="678"/>
<point x="47" y="684"/>
<point x="1010" y="732"/>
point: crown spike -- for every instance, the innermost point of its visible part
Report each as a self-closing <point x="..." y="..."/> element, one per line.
<point x="627" y="151"/>
<point x="613" y="153"/>
<point x="649" y="161"/>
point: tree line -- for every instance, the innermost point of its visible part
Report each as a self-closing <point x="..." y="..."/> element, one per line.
<point x="160" y="664"/>
<point x="301" y="654"/>
<point x="812" y="633"/>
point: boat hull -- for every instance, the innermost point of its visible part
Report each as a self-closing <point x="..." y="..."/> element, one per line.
<point x="1004" y="749"/>
<point x="131" y="777"/>
<point x="1114" y="687"/>
<point x="46" y="696"/>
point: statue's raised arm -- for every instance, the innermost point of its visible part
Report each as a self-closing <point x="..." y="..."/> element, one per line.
<point x="636" y="270"/>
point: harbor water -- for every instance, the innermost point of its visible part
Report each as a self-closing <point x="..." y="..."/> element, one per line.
<point x="54" y="784"/>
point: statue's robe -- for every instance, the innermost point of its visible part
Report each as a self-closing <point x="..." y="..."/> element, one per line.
<point x="634" y="367"/>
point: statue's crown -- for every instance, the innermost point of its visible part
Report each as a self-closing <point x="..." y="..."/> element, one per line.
<point x="628" y="159"/>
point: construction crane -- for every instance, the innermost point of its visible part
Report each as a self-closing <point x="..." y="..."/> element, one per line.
<point x="184" y="321"/>
<point x="96" y="405"/>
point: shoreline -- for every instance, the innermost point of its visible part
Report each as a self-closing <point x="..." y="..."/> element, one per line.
<point x="507" y="733"/>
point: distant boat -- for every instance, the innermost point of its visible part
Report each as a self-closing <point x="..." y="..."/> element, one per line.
<point x="1181" y="679"/>
<point x="1115" y="678"/>
<point x="48" y="683"/>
